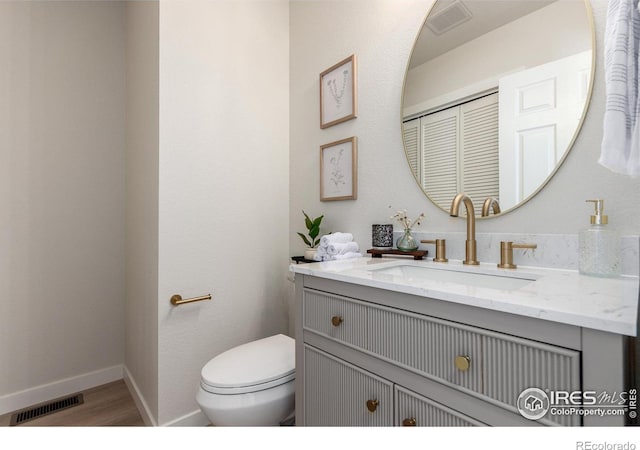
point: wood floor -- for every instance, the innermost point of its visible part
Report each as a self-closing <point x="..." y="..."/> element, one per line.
<point x="107" y="405"/>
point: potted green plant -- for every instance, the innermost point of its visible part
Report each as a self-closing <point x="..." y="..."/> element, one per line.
<point x="312" y="238"/>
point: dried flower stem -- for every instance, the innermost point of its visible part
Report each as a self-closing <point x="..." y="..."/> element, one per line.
<point x="401" y="216"/>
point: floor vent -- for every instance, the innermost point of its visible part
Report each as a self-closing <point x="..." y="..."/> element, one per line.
<point x="47" y="408"/>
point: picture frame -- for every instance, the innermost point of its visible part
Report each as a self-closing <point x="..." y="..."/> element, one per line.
<point x="338" y="93"/>
<point x="338" y="170"/>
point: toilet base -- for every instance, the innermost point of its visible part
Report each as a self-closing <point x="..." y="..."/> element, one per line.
<point x="263" y="408"/>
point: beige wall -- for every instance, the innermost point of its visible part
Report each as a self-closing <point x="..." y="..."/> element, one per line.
<point x="62" y="140"/>
<point x="198" y="94"/>
<point x="141" y="313"/>
<point x="224" y="185"/>
<point x="381" y="34"/>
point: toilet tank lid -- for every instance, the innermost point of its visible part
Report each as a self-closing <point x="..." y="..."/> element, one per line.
<point x="256" y="362"/>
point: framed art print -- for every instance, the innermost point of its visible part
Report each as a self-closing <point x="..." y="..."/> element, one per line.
<point x="338" y="170"/>
<point x="338" y="101"/>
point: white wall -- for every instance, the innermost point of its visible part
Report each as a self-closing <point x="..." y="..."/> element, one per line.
<point x="141" y="314"/>
<point x="381" y="33"/>
<point x="62" y="145"/>
<point x="224" y="185"/>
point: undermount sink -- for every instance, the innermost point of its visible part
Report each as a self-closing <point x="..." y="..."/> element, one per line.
<point x="484" y="280"/>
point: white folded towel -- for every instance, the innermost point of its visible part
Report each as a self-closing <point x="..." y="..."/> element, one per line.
<point x="341" y="249"/>
<point x="336" y="238"/>
<point x="321" y="254"/>
<point x="349" y="255"/>
<point x="337" y="246"/>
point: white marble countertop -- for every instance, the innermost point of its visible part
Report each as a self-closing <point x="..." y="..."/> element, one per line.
<point x="606" y="304"/>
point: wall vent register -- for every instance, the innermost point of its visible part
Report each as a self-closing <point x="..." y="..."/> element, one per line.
<point x="51" y="407"/>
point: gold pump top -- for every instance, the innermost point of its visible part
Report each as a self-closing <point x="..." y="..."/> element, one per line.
<point x="600" y="218"/>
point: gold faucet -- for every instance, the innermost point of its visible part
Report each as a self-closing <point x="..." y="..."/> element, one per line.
<point x="470" y="248"/>
<point x="488" y="204"/>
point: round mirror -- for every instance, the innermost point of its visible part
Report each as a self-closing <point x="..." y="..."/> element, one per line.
<point x="494" y="96"/>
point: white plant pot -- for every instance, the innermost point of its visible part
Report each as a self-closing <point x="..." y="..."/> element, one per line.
<point x="310" y="253"/>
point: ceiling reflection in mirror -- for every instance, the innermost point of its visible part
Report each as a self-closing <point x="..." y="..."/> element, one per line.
<point x="494" y="96"/>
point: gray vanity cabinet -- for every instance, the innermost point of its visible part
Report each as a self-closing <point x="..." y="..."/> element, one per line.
<point x="368" y="357"/>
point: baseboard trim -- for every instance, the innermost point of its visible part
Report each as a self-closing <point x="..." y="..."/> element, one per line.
<point x="138" y="399"/>
<point x="67" y="386"/>
<point x="193" y="419"/>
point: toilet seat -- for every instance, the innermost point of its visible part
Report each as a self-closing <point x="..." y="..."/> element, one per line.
<point x="251" y="367"/>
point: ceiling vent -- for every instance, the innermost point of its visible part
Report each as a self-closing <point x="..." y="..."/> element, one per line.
<point x="450" y="17"/>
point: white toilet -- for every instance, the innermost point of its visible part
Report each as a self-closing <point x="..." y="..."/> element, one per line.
<point x="250" y="385"/>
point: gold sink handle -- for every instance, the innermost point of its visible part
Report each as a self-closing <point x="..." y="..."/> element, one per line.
<point x="441" y="248"/>
<point x="336" y="321"/>
<point x="506" y="253"/>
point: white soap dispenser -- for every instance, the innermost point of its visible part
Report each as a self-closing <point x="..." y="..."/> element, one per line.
<point x="599" y="246"/>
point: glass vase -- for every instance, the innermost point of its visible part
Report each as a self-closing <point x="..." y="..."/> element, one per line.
<point x="406" y="242"/>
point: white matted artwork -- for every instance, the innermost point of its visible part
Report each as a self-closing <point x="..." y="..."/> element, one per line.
<point x="338" y="101"/>
<point x="338" y="170"/>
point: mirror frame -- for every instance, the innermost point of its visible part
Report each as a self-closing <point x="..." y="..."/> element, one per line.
<point x="591" y="23"/>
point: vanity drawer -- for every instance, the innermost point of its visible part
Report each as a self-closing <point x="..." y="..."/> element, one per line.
<point x="336" y="317"/>
<point x="415" y="410"/>
<point x="428" y="346"/>
<point x="494" y="366"/>
<point x="340" y="394"/>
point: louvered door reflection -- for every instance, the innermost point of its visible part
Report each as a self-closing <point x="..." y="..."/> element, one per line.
<point x="440" y="143"/>
<point x="479" y="139"/>
<point x="340" y="394"/>
<point x="457" y="151"/>
<point x="412" y="146"/>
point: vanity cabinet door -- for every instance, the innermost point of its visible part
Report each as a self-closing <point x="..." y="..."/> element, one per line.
<point x="415" y="410"/>
<point x="511" y="365"/>
<point x="339" y="394"/>
<point x="335" y="317"/>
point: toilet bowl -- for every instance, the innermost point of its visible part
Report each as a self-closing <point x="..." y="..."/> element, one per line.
<point x="250" y="385"/>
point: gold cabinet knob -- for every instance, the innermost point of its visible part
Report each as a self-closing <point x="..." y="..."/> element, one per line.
<point x="410" y="422"/>
<point x="336" y="321"/>
<point x="372" y="405"/>
<point x="463" y="363"/>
